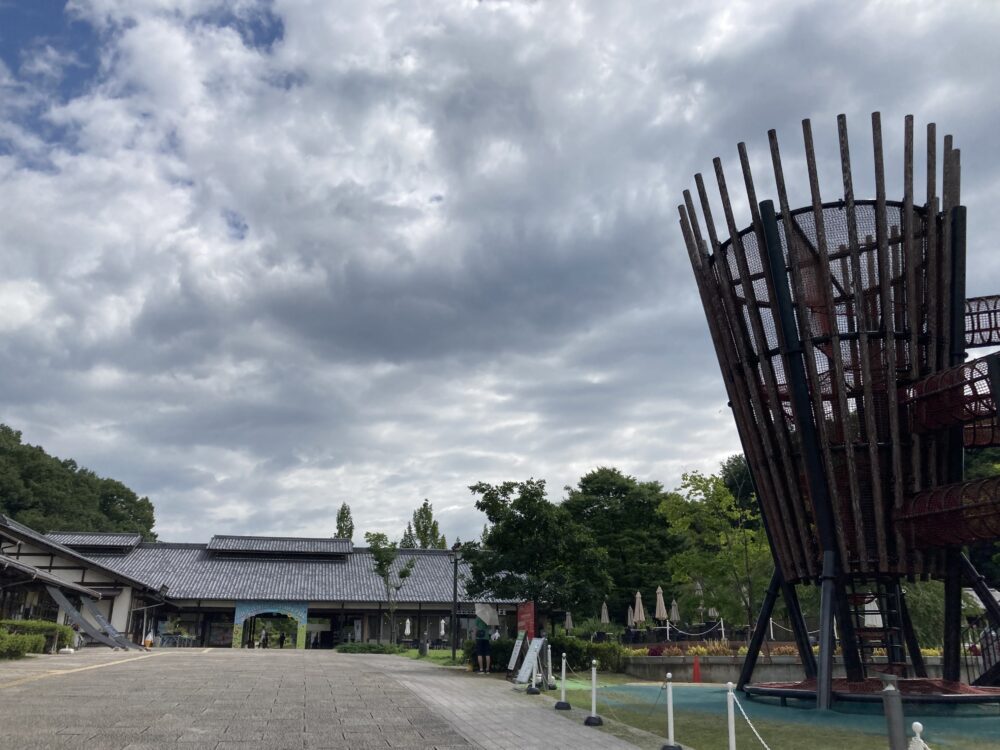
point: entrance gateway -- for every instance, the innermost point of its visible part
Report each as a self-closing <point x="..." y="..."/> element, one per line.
<point x="298" y="611"/>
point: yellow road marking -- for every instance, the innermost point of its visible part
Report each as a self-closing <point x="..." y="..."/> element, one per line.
<point x="54" y="672"/>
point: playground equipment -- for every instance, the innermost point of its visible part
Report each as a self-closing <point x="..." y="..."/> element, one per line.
<point x="841" y="330"/>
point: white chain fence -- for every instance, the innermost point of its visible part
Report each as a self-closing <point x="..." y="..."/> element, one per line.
<point x="749" y="723"/>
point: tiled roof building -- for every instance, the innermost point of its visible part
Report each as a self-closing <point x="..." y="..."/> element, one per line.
<point x="213" y="593"/>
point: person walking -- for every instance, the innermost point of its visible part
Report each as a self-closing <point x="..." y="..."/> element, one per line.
<point x="281" y="639"/>
<point x="263" y="638"/>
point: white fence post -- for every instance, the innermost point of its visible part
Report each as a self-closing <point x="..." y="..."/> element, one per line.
<point x="731" y="713"/>
<point x="671" y="745"/>
<point x="563" y="705"/>
<point x="593" y="720"/>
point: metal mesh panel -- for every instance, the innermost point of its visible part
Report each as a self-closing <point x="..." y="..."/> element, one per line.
<point x="982" y="321"/>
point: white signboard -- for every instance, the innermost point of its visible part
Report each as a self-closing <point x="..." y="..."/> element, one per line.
<point x="530" y="660"/>
<point x="516" y="651"/>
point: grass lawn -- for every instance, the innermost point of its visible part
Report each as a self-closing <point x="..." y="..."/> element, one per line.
<point x="441" y="657"/>
<point x="700" y="719"/>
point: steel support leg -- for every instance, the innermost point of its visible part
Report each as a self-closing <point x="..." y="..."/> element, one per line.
<point x="799" y="629"/>
<point x="951" y="668"/>
<point x="824" y="674"/>
<point x="909" y="635"/>
<point x="760" y="630"/>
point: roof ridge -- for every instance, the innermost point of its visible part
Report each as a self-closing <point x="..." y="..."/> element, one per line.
<point x="284" y="538"/>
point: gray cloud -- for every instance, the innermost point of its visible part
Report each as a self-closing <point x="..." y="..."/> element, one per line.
<point x="272" y="259"/>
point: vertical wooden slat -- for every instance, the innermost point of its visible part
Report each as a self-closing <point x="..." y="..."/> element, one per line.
<point x="796" y="261"/>
<point x="932" y="277"/>
<point x="888" y="327"/>
<point x="772" y="431"/>
<point x="706" y="210"/>
<point x="839" y="382"/>
<point x="802" y="521"/>
<point x="914" y="266"/>
<point x="724" y="346"/>
<point x="747" y="376"/>
<point x="911" y="261"/>
<point x="864" y="329"/>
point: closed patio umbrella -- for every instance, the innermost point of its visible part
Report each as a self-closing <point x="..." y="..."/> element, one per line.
<point x="630" y="619"/>
<point x="605" y="620"/>
<point x="675" y="611"/>
<point x="661" y="607"/>
<point x="569" y="622"/>
<point x="406" y="628"/>
<point x="638" y="613"/>
<point x="441" y="635"/>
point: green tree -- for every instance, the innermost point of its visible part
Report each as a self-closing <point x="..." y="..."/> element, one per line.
<point x="533" y="550"/>
<point x="394" y="574"/>
<point x="345" y="524"/>
<point x="726" y="562"/>
<point x="50" y="494"/>
<point x="622" y="514"/>
<point x="424" y="528"/>
<point x="735" y="474"/>
<point x="409" y="541"/>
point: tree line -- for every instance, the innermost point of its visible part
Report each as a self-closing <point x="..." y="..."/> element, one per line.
<point x="52" y="494"/>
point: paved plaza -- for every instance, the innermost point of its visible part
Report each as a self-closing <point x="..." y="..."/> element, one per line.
<point x="193" y="698"/>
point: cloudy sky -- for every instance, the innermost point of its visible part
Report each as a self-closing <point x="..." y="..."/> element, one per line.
<point x="259" y="258"/>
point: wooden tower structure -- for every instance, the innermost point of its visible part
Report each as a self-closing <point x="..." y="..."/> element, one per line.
<point x="841" y="330"/>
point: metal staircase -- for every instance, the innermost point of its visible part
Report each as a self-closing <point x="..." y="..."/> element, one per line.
<point x="981" y="647"/>
<point x="875" y="611"/>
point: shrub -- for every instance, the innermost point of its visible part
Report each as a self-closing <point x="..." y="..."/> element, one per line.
<point x="930" y="652"/>
<point x="369" y="648"/>
<point x="579" y="653"/>
<point x="587" y="627"/>
<point x="636" y="651"/>
<point x="697" y="651"/>
<point x="45" y="628"/>
<point x="500" y="651"/>
<point x="718" y="648"/>
<point x="16" y="645"/>
<point x="786" y="651"/>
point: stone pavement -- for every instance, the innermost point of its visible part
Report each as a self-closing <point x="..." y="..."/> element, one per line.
<point x="188" y="699"/>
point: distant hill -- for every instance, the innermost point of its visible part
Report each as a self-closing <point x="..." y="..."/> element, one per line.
<point x="48" y="493"/>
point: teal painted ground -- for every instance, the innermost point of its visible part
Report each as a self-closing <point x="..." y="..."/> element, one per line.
<point x="944" y="725"/>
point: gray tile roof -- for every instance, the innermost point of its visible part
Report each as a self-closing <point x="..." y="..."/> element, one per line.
<point x="192" y="571"/>
<point x="22" y="569"/>
<point x="14" y="530"/>
<point x="281" y="545"/>
<point x="115" y="539"/>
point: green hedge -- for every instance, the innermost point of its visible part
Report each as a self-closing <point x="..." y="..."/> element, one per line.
<point x="369" y="648"/>
<point x="579" y="653"/>
<point x="499" y="653"/>
<point x="64" y="633"/>
<point x="16" y="645"/>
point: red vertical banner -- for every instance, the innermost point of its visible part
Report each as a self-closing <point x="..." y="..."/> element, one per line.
<point x="526" y="618"/>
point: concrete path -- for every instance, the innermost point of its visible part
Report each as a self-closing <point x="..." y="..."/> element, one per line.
<point x="189" y="699"/>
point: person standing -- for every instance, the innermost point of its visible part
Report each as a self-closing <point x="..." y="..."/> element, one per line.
<point x="263" y="637"/>
<point x="281" y="639"/>
<point x="483" y="650"/>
